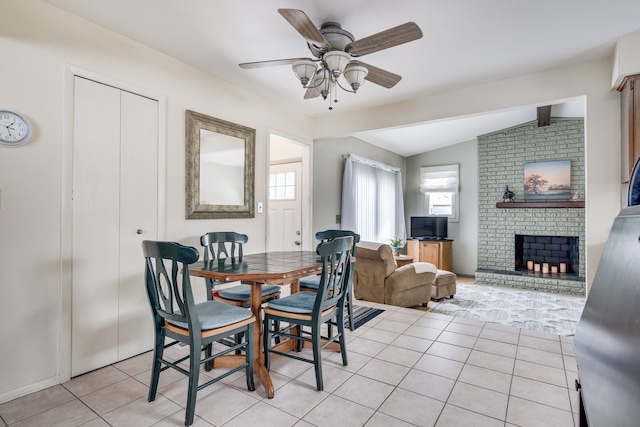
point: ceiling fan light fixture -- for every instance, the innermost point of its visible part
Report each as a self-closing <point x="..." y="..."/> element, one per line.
<point x="333" y="49"/>
<point x="336" y="61"/>
<point x="305" y="70"/>
<point x="355" y="75"/>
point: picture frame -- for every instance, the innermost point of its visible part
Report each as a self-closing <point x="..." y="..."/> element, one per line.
<point x="549" y="180"/>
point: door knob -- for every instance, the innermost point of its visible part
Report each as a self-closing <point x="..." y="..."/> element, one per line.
<point x="297" y="243"/>
<point x="138" y="231"/>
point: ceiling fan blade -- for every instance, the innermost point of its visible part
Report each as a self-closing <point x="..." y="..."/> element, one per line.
<point x="301" y="22"/>
<point x="311" y="93"/>
<point x="389" y="38"/>
<point x="271" y="63"/>
<point x="379" y="76"/>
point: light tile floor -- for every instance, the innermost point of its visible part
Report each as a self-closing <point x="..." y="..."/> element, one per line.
<point x="406" y="368"/>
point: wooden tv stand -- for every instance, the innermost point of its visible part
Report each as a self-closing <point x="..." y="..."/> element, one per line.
<point x="437" y="252"/>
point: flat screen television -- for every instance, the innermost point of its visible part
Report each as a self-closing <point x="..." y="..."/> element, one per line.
<point x="429" y="227"/>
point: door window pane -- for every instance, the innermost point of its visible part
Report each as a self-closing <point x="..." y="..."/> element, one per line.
<point x="282" y="186"/>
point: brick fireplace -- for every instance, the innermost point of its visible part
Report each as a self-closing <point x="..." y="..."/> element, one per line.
<point x="501" y="159"/>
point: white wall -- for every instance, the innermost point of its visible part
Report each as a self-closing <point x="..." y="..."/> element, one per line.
<point x="43" y="42"/>
<point x="285" y="149"/>
<point x="465" y="232"/>
<point x="626" y="60"/>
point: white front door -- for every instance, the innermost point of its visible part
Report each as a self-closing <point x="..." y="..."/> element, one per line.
<point x="115" y="208"/>
<point x="285" y="207"/>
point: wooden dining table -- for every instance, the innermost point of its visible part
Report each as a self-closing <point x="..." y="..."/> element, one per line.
<point x="280" y="268"/>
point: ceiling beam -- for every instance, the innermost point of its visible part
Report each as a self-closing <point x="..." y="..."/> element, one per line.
<point x="544" y="116"/>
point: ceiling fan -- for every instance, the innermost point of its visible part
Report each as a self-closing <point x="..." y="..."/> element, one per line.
<point x="334" y="51"/>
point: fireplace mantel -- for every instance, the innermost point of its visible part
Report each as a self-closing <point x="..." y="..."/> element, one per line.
<point x="552" y="204"/>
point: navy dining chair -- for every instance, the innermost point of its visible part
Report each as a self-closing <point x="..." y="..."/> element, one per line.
<point x="313" y="309"/>
<point x="178" y="317"/>
<point x="310" y="283"/>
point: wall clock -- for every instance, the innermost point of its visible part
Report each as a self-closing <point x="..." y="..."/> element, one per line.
<point x="15" y="130"/>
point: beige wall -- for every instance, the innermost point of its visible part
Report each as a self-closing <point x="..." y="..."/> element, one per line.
<point x="44" y="42"/>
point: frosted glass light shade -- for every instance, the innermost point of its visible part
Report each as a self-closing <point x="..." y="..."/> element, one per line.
<point x="355" y="75"/>
<point x="323" y="82"/>
<point x="304" y="70"/>
<point x="336" y="61"/>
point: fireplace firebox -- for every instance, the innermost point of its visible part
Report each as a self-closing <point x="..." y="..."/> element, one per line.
<point x="561" y="252"/>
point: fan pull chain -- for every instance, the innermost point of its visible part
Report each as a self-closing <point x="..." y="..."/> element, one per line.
<point x="334" y="94"/>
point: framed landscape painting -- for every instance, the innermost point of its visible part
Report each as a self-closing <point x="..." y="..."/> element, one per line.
<point x="547" y="180"/>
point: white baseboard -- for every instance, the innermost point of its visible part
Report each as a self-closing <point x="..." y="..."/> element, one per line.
<point x="28" y="389"/>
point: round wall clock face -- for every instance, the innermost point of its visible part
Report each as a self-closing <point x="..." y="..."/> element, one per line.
<point x="15" y="130"/>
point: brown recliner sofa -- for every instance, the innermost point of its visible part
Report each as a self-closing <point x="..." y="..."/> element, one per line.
<point x="378" y="280"/>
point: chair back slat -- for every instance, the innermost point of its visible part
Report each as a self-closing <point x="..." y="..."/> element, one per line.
<point x="219" y="239"/>
<point x="326" y="235"/>
<point x="336" y="266"/>
<point x="170" y="294"/>
<point x="215" y="244"/>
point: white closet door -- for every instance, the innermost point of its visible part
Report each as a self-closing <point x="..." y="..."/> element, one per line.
<point x="96" y="229"/>
<point x="114" y="195"/>
<point x="138" y="219"/>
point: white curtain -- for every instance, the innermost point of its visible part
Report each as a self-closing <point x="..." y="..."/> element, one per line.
<point x="372" y="201"/>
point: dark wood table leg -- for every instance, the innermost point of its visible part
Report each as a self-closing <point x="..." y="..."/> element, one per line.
<point x="295" y="286"/>
<point x="258" y="366"/>
<point x="264" y="377"/>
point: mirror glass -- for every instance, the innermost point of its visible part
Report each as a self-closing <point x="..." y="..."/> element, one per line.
<point x="220" y="158"/>
<point x="222" y="163"/>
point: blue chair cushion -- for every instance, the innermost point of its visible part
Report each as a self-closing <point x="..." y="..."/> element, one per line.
<point x="311" y="282"/>
<point x="214" y="314"/>
<point x="243" y="292"/>
<point x="300" y="302"/>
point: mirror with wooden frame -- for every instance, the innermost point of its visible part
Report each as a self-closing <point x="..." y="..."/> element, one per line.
<point x="220" y="159"/>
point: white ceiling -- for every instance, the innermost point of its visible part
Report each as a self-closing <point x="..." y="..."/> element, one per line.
<point x="465" y="42"/>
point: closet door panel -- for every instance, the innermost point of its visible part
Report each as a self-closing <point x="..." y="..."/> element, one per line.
<point x="138" y="219"/>
<point x="96" y="230"/>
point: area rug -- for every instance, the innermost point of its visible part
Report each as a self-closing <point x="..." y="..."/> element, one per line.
<point x="362" y="315"/>
<point x="538" y="311"/>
